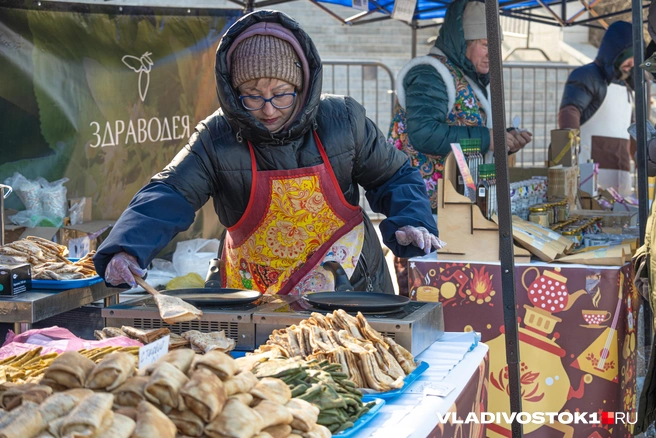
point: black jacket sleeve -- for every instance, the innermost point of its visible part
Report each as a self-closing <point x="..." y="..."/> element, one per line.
<point x="579" y="90"/>
<point x="155" y="215"/>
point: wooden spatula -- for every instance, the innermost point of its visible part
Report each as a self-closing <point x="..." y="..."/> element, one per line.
<point x="171" y="309"/>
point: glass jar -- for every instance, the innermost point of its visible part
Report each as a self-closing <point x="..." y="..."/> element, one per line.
<point x="561" y="211"/>
<point x="576" y="235"/>
<point x="539" y="215"/>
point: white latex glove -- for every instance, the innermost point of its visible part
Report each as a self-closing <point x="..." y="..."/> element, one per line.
<point x="419" y="237"/>
<point x="122" y="268"/>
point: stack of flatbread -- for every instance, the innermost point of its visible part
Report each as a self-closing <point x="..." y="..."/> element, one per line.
<point x="145" y="336"/>
<point x="183" y="394"/>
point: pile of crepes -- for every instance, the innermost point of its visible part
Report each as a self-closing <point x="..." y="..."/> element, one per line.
<point x="370" y="359"/>
<point x="197" y="341"/>
<point x="183" y="394"/>
<point x="30" y="366"/>
<point x="47" y="258"/>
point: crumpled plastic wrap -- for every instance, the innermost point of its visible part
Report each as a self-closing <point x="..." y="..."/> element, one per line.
<point x="56" y="339"/>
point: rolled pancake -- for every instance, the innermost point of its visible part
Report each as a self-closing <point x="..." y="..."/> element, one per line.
<point x="271" y="389"/>
<point x="27" y="424"/>
<point x="263" y="435"/>
<point x="70" y="369"/>
<point x="89" y="417"/>
<point x="55" y="425"/>
<point x="131" y="393"/>
<point x="243" y="397"/>
<point x="218" y="362"/>
<point x="204" y="394"/>
<point x="273" y="414"/>
<point x="145" y="336"/>
<point x="112" y="371"/>
<point x="57" y="406"/>
<point x="121" y="427"/>
<point x="236" y="421"/>
<point x="128" y="411"/>
<point x="164" y="385"/>
<point x="79" y="393"/>
<point x="279" y="431"/>
<point x="318" y="431"/>
<point x="17" y="395"/>
<point x="45" y="434"/>
<point x="242" y="382"/>
<point x="181" y="359"/>
<point x="187" y="422"/>
<point x="151" y="422"/>
<point x="207" y="342"/>
<point x="305" y="414"/>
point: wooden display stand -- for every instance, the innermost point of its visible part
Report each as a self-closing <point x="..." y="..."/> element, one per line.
<point x="468" y="234"/>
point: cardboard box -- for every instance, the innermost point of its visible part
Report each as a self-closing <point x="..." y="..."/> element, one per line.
<point x="82" y="238"/>
<point x="588" y="179"/>
<point x="564" y="147"/>
<point x="15" y="279"/>
<point x="605" y="256"/>
<point x="563" y="182"/>
<point x="588" y="202"/>
<point x="86" y="212"/>
<point x="13" y="232"/>
<point x="48" y="233"/>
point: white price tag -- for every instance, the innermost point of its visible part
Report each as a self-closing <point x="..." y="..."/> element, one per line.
<point x="404" y="10"/>
<point x="152" y="352"/>
<point x="434" y="389"/>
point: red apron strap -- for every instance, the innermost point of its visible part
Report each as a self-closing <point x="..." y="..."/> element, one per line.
<point x="331" y="173"/>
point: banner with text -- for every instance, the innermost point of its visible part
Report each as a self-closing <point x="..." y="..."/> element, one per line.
<point x="104" y="95"/>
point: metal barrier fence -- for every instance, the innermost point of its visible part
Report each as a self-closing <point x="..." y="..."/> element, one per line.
<point x="533" y="93"/>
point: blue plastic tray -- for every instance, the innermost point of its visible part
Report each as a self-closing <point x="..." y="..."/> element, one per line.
<point x="362" y="421"/>
<point x="65" y="284"/>
<point x="409" y="379"/>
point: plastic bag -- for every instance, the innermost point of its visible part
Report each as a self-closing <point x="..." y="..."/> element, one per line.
<point x="31" y="219"/>
<point x="194" y="256"/>
<point x="53" y="199"/>
<point x="76" y="212"/>
<point x="27" y="191"/>
<point x="651" y="131"/>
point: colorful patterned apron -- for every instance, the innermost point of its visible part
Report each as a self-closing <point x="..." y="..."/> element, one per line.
<point x="467" y="111"/>
<point x="295" y="220"/>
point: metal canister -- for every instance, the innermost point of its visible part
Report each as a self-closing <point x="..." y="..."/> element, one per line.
<point x="539" y="215"/>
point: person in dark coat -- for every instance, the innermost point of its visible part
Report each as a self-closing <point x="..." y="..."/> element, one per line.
<point x="598" y="100"/>
<point x="283" y="165"/>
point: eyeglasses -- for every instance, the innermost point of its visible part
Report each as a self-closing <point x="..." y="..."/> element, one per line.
<point x="279" y="101"/>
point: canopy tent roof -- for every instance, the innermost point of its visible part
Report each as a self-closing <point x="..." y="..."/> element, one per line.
<point x="378" y="10"/>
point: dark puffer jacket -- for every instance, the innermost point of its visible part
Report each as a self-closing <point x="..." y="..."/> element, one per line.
<point x="427" y="103"/>
<point x="586" y="86"/>
<point x="356" y="149"/>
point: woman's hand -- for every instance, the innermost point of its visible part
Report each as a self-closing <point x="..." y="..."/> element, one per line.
<point x="419" y="237"/>
<point x="122" y="268"/>
<point x="515" y="140"/>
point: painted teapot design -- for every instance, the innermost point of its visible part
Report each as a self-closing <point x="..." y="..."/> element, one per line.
<point x="549" y="292"/>
<point x="546" y="387"/>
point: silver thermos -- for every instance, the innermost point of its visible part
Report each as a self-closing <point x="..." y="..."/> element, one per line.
<point x="5" y="191"/>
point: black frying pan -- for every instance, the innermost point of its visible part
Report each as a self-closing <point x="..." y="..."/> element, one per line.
<point x="213" y="294"/>
<point x="344" y="297"/>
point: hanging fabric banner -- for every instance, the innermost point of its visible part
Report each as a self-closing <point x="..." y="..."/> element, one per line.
<point x="103" y="95"/>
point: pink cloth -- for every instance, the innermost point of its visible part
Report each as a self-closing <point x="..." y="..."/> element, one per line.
<point x="56" y="339"/>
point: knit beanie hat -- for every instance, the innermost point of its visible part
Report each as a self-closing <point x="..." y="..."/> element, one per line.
<point x="265" y="56"/>
<point x="473" y="21"/>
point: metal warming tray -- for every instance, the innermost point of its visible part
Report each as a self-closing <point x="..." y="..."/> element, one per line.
<point x="237" y="321"/>
<point x="416" y="326"/>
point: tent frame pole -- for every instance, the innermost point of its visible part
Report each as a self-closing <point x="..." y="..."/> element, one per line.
<point x="506" y="247"/>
